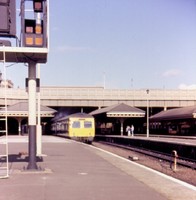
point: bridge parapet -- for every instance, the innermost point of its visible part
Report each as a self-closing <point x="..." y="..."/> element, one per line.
<point x="98" y="96"/>
<point x="101" y="93"/>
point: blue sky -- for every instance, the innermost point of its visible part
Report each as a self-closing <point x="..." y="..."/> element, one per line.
<point x="124" y="44"/>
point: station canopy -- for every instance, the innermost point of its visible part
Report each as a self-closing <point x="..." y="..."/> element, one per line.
<point x="175" y="114"/>
<point x="21" y="110"/>
<point x="120" y="111"/>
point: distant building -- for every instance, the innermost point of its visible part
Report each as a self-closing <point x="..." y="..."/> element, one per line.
<point x="7" y="83"/>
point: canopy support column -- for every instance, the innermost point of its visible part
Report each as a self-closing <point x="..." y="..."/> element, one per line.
<point x="121" y="125"/>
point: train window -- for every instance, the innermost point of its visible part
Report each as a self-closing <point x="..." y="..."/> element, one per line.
<point x="87" y="124"/>
<point x="76" y="124"/>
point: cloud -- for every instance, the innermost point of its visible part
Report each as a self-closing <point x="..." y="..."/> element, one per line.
<point x="187" y="87"/>
<point x="172" y="72"/>
<point x="73" y="49"/>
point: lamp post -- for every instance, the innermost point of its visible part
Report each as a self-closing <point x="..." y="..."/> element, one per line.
<point x="1" y="77"/>
<point x="147" y="117"/>
<point x="104" y="80"/>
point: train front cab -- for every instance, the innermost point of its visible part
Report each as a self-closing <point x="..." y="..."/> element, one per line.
<point x="82" y="129"/>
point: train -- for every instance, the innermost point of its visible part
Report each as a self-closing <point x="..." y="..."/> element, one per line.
<point x="77" y="126"/>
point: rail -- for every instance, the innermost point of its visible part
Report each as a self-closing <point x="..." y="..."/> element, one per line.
<point x="191" y="163"/>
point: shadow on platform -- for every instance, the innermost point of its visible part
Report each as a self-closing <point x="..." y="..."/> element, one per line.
<point x="19" y="158"/>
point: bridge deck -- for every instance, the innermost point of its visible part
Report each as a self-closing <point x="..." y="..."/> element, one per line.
<point x="99" y="97"/>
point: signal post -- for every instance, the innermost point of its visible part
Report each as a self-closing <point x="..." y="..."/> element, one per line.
<point x="32" y="49"/>
<point x="32" y="115"/>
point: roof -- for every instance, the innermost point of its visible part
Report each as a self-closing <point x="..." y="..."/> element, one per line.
<point x="120" y="110"/>
<point x="176" y="113"/>
<point x="21" y="110"/>
<point x="75" y="115"/>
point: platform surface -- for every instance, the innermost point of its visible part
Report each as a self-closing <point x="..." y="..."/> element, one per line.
<point x="74" y="171"/>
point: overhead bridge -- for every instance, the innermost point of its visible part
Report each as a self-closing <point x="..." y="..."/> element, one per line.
<point x="100" y="97"/>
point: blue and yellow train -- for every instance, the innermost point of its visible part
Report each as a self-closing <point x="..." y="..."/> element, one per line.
<point x="78" y="126"/>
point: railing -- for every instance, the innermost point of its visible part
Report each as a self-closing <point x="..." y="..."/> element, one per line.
<point x="99" y="93"/>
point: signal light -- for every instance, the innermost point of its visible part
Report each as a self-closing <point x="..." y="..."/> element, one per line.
<point x="33" y="33"/>
<point x="29" y="26"/>
<point x="34" y="29"/>
<point x="38" y="5"/>
<point x="38" y="29"/>
<point x="38" y="40"/>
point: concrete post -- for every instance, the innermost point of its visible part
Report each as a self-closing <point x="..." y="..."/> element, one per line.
<point x="32" y="115"/>
<point x="121" y="126"/>
<point x="175" y="156"/>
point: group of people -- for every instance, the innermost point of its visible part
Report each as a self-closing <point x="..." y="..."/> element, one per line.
<point x="130" y="130"/>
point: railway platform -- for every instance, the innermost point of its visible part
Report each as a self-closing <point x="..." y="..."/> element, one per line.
<point x="182" y="140"/>
<point x="75" y="171"/>
<point x="184" y="146"/>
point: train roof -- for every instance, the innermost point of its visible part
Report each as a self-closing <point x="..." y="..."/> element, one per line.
<point x="176" y="113"/>
<point x="75" y="115"/>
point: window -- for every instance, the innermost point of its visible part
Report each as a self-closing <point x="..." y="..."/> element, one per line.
<point x="87" y="124"/>
<point x="76" y="124"/>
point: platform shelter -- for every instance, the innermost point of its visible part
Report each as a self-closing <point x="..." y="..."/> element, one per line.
<point x="19" y="111"/>
<point x="120" y="112"/>
<point x="175" y="121"/>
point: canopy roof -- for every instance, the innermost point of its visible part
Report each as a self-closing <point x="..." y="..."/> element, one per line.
<point x="177" y="113"/>
<point x="120" y="110"/>
<point x="21" y="110"/>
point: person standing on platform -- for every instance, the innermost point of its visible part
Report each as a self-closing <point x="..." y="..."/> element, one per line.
<point x="132" y="130"/>
<point x="128" y="130"/>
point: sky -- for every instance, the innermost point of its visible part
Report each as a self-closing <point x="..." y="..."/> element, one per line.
<point x="119" y="44"/>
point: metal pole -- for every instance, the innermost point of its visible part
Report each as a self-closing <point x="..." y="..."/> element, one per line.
<point x="32" y="165"/>
<point x="6" y="118"/>
<point x="39" y="130"/>
<point x="104" y="80"/>
<point x="147" y="117"/>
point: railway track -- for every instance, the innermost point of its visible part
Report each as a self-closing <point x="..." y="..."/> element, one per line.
<point x="170" y="158"/>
